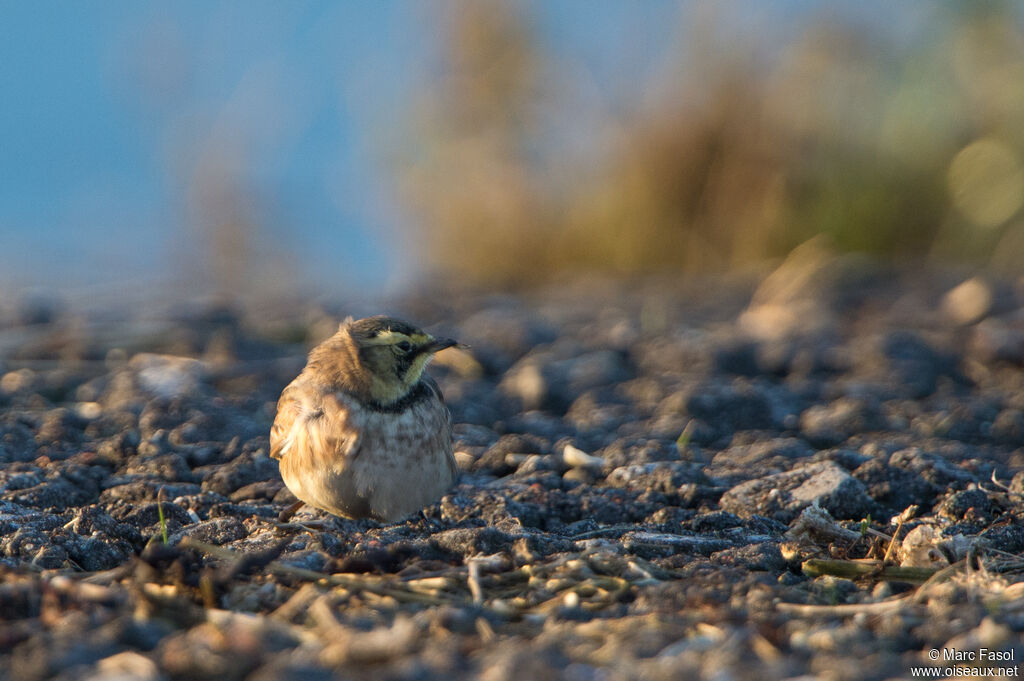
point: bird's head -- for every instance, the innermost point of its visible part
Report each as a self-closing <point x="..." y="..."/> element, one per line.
<point x="392" y="354"/>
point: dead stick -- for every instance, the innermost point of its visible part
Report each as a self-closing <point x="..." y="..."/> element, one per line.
<point x="347" y="581"/>
<point x="849" y="569"/>
<point x="843" y="610"/>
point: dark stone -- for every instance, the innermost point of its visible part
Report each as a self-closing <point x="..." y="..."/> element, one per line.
<point x="663" y="476"/>
<point x="551" y="380"/>
<point x="214" y="531"/>
<point x="495" y="459"/>
<point x="764" y="557"/>
<point x="471" y="541"/>
<point x="97" y="553"/>
<point x="1008" y="537"/>
<point x="1008" y="428"/>
<point x="973" y="506"/>
<point x="56" y="494"/>
<point x="895" y="488"/>
<point x="915" y="364"/>
<point x="630" y="451"/>
<point x="251" y="465"/>
<point x="730" y="407"/>
<point x="739" y="358"/>
<point x="147" y="516"/>
<point x="832" y="424"/>
<point x="261" y="490"/>
<point x="171" y="467"/>
<point x="128" y="490"/>
<point x="782" y="496"/>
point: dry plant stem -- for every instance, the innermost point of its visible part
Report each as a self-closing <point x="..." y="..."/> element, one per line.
<point x="881" y="535"/>
<point x="1005" y="489"/>
<point x="107" y="577"/>
<point x="311" y="526"/>
<point x="892" y="542"/>
<point x="347" y="581"/>
<point x="474" y="581"/>
<point x="455" y="569"/>
<point x="939" y="577"/>
<point x="484" y="629"/>
<point x="298" y="602"/>
<point x="324" y="617"/>
<point x="844" y="610"/>
<point x="611" y="529"/>
<point x="852" y="569"/>
<point x="849" y="569"/>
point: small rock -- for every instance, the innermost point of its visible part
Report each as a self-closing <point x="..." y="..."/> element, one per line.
<point x="782" y="496"/>
<point x="968" y="302"/>
<point x="372" y="647"/>
<point x="215" y="531"/>
<point x="250" y="466"/>
<point x="527" y="383"/>
<point x="827" y="425"/>
<point x="167" y="376"/>
<point x="934" y="468"/>
<point x="993" y="340"/>
<point x="738" y="357"/>
<point x="495" y="459"/>
<point x="545" y="380"/>
<point x="893" y="487"/>
<point x="473" y="541"/>
<point x="806" y="294"/>
<point x="915" y="364"/>
<point x="988" y="635"/>
<point x="726" y="407"/>
<point x="1008" y="427"/>
<point x="973" y="506"/>
<point x="662" y="476"/>
<point x="50" y="557"/>
<point x="764" y="452"/>
<point x="763" y="557"/>
<point x="659" y="544"/>
<point x="575" y="457"/>
<point x="581" y="476"/>
<point x="126" y="666"/>
<point x="629" y="451"/>
<point x="262" y="489"/>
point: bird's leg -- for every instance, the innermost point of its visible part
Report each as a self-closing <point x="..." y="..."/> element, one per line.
<point x="284" y="520"/>
<point x="287" y="513"/>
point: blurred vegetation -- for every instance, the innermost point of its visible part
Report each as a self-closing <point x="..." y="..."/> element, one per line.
<point x="744" y="147"/>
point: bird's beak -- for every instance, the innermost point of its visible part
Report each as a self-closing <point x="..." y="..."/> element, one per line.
<point x="438" y="344"/>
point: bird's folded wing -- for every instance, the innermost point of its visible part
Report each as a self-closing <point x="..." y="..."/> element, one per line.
<point x="289" y="409"/>
<point x="311" y="425"/>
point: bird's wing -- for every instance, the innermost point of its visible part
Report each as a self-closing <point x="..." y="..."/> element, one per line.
<point x="289" y="412"/>
<point x="312" y="425"/>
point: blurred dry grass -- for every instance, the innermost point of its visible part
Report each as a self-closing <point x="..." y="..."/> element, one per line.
<point x="896" y="146"/>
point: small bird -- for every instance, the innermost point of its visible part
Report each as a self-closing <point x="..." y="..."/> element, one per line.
<point x="362" y="432"/>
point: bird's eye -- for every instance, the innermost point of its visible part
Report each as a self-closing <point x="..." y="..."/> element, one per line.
<point x="404" y="346"/>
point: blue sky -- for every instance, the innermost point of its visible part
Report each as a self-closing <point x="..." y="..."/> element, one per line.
<point x="108" y="105"/>
<point x="113" y="109"/>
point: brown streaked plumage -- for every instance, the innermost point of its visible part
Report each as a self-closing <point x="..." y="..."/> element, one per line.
<point x="362" y="432"/>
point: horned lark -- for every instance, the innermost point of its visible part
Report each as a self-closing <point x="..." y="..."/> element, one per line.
<point x="362" y="432"/>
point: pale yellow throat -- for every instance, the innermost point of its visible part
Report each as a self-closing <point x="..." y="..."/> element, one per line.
<point x="389" y="392"/>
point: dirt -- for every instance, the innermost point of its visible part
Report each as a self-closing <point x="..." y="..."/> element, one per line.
<point x="647" y="469"/>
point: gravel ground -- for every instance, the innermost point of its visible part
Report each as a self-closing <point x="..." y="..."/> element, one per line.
<point x="660" y="481"/>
